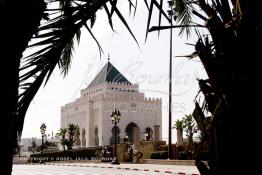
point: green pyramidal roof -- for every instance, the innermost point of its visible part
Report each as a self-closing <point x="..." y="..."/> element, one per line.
<point x="108" y="74"/>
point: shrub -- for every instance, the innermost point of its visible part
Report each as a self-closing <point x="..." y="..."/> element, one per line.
<point x="182" y="155"/>
<point x="159" y="155"/>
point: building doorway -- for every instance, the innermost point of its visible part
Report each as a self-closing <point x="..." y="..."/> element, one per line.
<point x="130" y="132"/>
<point x="148" y="134"/>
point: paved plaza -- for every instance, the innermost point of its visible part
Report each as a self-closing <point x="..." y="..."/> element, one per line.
<point x="71" y="170"/>
<point x="102" y="169"/>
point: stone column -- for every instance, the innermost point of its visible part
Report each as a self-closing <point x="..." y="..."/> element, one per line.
<point x="136" y="135"/>
<point x="77" y="139"/>
<point x="156" y="132"/>
<point x="83" y="140"/>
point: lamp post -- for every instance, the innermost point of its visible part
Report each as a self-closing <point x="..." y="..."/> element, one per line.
<point x="42" y="130"/>
<point x="170" y="13"/>
<point x="115" y="117"/>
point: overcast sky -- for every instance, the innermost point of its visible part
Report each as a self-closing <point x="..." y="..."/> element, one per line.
<point x="148" y="66"/>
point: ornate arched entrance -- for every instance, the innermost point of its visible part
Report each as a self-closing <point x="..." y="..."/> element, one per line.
<point x="130" y="131"/>
<point x="96" y="139"/>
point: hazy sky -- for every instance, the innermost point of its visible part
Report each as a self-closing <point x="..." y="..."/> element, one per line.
<point x="148" y="66"/>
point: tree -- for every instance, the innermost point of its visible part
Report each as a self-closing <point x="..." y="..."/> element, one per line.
<point x="234" y="29"/>
<point x="190" y="128"/>
<point x="55" y="43"/>
<point x="34" y="145"/>
<point x="19" y="21"/>
<point x="71" y="130"/>
<point x="68" y="135"/>
<point x="179" y="126"/>
<point x="62" y="133"/>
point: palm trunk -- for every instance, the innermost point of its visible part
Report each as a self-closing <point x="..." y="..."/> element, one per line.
<point x="9" y="75"/>
<point x="19" y="19"/>
<point x="179" y="132"/>
<point x="9" y="65"/>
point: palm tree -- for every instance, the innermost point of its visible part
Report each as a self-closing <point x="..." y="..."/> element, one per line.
<point x="234" y="29"/>
<point x="179" y="126"/>
<point x="190" y="128"/>
<point x="71" y="130"/>
<point x="62" y="133"/>
<point x="19" y="21"/>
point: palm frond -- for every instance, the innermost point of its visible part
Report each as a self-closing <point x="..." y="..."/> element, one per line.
<point x="54" y="45"/>
<point x="149" y="17"/>
<point x="66" y="58"/>
<point x="55" y="41"/>
<point x="93" y="36"/>
<point x="135" y="7"/>
<point x="146" y="3"/>
<point x="161" y="11"/>
<point x="159" y="16"/>
<point x="78" y="36"/>
<point x="113" y="6"/>
<point x="109" y="17"/>
<point x="126" y="25"/>
<point x="156" y="28"/>
<point x="184" y="10"/>
<point x="93" y="20"/>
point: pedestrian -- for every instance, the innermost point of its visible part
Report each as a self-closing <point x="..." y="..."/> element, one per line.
<point x="130" y="153"/>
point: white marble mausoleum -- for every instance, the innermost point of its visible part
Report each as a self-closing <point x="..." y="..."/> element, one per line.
<point x="141" y="117"/>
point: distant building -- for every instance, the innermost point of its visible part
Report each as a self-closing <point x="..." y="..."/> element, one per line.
<point x="108" y="91"/>
<point x="26" y="143"/>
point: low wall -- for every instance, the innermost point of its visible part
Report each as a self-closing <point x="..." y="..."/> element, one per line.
<point x="171" y="162"/>
<point x="20" y="160"/>
<point x="146" y="147"/>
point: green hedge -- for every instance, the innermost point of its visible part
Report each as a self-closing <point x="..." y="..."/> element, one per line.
<point x="182" y="155"/>
<point x="159" y="155"/>
<point x="80" y="154"/>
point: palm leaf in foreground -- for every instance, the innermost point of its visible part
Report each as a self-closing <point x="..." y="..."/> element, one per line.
<point x="183" y="9"/>
<point x="55" y="43"/>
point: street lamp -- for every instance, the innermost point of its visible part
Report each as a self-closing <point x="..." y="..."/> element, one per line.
<point x="115" y="117"/>
<point x="42" y="130"/>
<point x="170" y="13"/>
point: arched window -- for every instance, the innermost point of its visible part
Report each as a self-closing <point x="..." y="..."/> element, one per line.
<point x="148" y="134"/>
<point x="83" y="134"/>
<point x="96" y="138"/>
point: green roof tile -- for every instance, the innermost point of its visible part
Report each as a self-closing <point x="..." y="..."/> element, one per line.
<point x="108" y="74"/>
